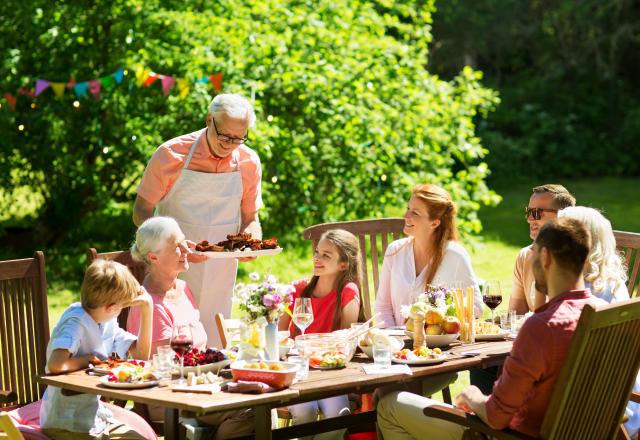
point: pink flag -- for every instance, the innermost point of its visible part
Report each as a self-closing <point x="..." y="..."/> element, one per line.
<point x="167" y="83"/>
<point x="94" y="88"/>
<point x="41" y="86"/>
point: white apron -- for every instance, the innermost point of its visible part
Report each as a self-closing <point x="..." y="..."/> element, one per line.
<point x="207" y="207"/>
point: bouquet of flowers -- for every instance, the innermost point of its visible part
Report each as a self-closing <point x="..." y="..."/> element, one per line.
<point x="263" y="300"/>
<point x="436" y="297"/>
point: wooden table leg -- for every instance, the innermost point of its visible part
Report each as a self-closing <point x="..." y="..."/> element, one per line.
<point x="171" y="425"/>
<point x="262" y="422"/>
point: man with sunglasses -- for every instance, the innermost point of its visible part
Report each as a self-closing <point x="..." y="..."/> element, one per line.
<point x="209" y="181"/>
<point x="544" y="204"/>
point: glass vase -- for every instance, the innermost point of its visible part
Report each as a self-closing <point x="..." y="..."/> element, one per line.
<point x="252" y="340"/>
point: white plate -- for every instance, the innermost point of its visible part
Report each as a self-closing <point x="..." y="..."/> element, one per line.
<point x="428" y="361"/>
<point x="494" y="337"/>
<point x="240" y="254"/>
<point x="436" y="340"/>
<point x="104" y="380"/>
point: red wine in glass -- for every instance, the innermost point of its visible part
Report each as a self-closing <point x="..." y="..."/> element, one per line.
<point x="492" y="295"/>
<point x="181" y="342"/>
<point x="181" y="346"/>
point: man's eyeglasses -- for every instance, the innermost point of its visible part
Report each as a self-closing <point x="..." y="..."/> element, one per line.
<point x="229" y="139"/>
<point x="536" y="213"/>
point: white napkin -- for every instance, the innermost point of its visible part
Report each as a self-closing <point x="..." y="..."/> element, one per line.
<point x="393" y="369"/>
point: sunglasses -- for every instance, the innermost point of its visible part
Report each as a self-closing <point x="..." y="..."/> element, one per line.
<point x="536" y="213"/>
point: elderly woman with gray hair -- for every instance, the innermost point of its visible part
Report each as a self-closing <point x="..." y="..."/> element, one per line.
<point x="162" y="246"/>
<point x="209" y="181"/>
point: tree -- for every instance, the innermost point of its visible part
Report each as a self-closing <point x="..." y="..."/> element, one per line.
<point x="348" y="116"/>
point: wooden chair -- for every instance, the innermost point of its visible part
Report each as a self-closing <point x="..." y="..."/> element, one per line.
<point x="629" y="244"/>
<point x="7" y="429"/>
<point x="228" y="329"/>
<point x="594" y="385"/>
<point x="374" y="235"/>
<point x="123" y="257"/>
<point x="25" y="330"/>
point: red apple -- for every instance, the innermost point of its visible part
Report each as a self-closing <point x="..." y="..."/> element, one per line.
<point x="451" y="325"/>
<point x="433" y="329"/>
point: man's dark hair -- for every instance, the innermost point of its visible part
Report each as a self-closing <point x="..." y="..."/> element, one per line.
<point x="568" y="241"/>
<point x="562" y="198"/>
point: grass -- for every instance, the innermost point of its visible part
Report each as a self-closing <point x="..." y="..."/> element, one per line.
<point x="505" y="232"/>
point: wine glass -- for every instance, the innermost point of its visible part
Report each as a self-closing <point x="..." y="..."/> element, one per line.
<point x="302" y="313"/>
<point x="491" y="295"/>
<point x="181" y="342"/>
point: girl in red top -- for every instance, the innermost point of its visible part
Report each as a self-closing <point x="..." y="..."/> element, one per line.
<point x="335" y="298"/>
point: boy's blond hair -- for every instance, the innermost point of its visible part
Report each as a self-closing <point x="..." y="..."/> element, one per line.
<point x="108" y="282"/>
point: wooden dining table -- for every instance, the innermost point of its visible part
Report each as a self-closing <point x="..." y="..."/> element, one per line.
<point x="320" y="384"/>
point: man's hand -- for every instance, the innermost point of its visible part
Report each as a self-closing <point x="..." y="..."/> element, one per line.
<point x="472" y="400"/>
<point x="194" y="258"/>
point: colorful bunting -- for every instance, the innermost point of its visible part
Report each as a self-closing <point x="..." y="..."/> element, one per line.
<point x="94" y="88"/>
<point x="81" y="88"/>
<point x="144" y="78"/>
<point x="150" y="79"/>
<point x="41" y="86"/>
<point x="118" y="75"/>
<point x="58" y="89"/>
<point x="167" y="83"/>
<point x="11" y="100"/>
<point x="216" y="81"/>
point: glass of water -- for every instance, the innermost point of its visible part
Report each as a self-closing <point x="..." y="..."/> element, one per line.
<point x="382" y="356"/>
<point x="165" y="360"/>
<point x="303" y="366"/>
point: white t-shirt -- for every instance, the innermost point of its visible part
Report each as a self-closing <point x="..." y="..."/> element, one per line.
<point x="400" y="286"/>
<point x="81" y="335"/>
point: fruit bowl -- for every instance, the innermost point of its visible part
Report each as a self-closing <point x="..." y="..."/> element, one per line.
<point x="317" y="344"/>
<point x="197" y="361"/>
<point x="275" y="378"/>
<point x="437" y="340"/>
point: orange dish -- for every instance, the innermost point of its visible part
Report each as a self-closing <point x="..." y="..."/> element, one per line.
<point x="275" y="374"/>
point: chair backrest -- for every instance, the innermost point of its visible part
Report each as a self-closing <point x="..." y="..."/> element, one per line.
<point x="629" y="244"/>
<point x="374" y="235"/>
<point x="600" y="370"/>
<point x="7" y="429"/>
<point x="122" y="257"/>
<point x="228" y="329"/>
<point x="25" y="328"/>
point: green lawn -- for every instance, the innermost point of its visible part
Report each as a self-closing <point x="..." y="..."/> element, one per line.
<point x="505" y="232"/>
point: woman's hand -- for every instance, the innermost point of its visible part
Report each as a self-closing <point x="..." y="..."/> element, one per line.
<point x="191" y="256"/>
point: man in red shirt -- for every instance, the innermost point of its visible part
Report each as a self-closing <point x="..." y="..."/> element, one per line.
<point x="521" y="395"/>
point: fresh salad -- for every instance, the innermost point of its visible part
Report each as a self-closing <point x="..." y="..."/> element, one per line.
<point x="130" y="372"/>
<point x="331" y="359"/>
<point x="418" y="353"/>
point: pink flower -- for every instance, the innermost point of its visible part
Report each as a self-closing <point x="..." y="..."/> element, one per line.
<point x="268" y="300"/>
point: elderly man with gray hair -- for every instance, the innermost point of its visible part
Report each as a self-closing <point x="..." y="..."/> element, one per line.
<point x="209" y="181"/>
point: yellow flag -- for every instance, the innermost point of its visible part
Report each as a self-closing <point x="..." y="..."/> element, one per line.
<point x="141" y="75"/>
<point x="183" y="86"/>
<point x="58" y="89"/>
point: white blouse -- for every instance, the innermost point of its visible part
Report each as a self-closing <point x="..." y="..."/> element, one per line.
<point x="400" y="286"/>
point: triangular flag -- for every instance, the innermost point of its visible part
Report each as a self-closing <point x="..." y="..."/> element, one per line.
<point x="216" y="80"/>
<point x="41" y="86"/>
<point x="203" y="80"/>
<point x="118" y="75"/>
<point x="107" y="82"/>
<point x="81" y="88"/>
<point x="58" y="89"/>
<point x="71" y="83"/>
<point x="11" y="100"/>
<point x="94" y="88"/>
<point x="183" y="87"/>
<point x="141" y="75"/>
<point x="167" y="83"/>
<point x="151" y="78"/>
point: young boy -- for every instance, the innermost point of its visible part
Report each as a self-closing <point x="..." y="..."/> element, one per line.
<point x="86" y="330"/>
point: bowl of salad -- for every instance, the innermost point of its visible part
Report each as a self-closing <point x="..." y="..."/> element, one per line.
<point x="326" y="350"/>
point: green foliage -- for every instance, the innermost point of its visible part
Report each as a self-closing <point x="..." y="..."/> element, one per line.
<point x="349" y="119"/>
<point x="569" y="78"/>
